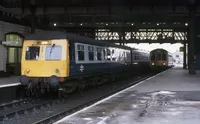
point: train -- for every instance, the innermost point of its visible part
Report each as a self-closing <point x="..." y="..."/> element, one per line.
<point x="160" y="58"/>
<point x="55" y="60"/>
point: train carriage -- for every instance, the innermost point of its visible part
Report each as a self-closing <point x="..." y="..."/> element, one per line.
<point x="160" y="58"/>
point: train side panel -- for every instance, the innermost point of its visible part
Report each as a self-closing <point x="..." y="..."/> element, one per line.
<point x="100" y="59"/>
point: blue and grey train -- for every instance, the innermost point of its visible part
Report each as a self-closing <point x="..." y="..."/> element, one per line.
<point x="54" y="59"/>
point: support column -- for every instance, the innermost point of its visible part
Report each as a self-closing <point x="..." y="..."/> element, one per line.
<point x="184" y="55"/>
<point x="123" y="34"/>
<point x="33" y="10"/>
<point x="191" y="39"/>
<point x="188" y="54"/>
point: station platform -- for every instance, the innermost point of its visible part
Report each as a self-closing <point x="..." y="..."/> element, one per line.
<point x="171" y="97"/>
<point x="9" y="81"/>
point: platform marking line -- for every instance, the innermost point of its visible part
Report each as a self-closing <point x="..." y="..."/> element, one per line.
<point x="105" y="99"/>
<point x="9" y="85"/>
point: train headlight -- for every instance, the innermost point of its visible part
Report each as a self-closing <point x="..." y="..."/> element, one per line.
<point x="43" y="42"/>
<point x="26" y="71"/>
<point x="163" y="63"/>
<point x="152" y="63"/>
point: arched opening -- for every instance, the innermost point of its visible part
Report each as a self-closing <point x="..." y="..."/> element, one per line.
<point x="13" y="43"/>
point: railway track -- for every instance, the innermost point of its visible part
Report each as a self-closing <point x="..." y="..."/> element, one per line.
<point x="27" y="107"/>
<point x="23" y="106"/>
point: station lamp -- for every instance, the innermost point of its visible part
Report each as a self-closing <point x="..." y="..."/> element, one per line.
<point x="54" y="24"/>
<point x="186" y="24"/>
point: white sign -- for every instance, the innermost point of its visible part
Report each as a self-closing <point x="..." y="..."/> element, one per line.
<point x="10" y="42"/>
<point x="81" y="68"/>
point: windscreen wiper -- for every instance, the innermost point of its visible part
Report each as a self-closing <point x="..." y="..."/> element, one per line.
<point x="51" y="49"/>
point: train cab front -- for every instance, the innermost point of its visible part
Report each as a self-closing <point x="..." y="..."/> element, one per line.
<point x="44" y="64"/>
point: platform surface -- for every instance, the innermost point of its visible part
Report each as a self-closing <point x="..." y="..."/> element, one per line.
<point x="172" y="97"/>
<point x="9" y="81"/>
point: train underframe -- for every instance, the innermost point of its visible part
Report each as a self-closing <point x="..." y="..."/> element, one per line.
<point x="37" y="86"/>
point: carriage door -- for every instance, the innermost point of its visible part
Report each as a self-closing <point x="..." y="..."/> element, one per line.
<point x="14" y="50"/>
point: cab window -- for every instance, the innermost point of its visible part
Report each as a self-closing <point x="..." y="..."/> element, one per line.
<point x="153" y="57"/>
<point x="164" y="57"/>
<point x="53" y="53"/>
<point x="32" y="53"/>
<point x="158" y="57"/>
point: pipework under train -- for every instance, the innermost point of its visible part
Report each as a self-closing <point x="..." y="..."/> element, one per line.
<point x="52" y="60"/>
<point x="160" y="58"/>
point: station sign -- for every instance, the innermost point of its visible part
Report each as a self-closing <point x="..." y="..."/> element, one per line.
<point x="10" y="43"/>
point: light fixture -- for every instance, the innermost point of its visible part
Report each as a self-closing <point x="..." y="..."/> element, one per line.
<point x="157" y="24"/>
<point x="81" y="24"/>
<point x="132" y="24"/>
<point x="106" y="23"/>
<point x="186" y="24"/>
<point x="54" y="24"/>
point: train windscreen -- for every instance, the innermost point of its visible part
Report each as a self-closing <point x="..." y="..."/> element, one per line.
<point x="32" y="53"/>
<point x="153" y="57"/>
<point x="164" y="57"/>
<point x="158" y="57"/>
<point x="53" y="53"/>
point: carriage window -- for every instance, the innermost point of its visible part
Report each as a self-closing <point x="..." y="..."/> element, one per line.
<point x="164" y="57"/>
<point x="113" y="51"/>
<point x="91" y="53"/>
<point x="108" y="55"/>
<point x="99" y="54"/>
<point x="136" y="56"/>
<point x="104" y="54"/>
<point x="81" y="53"/>
<point x="53" y="53"/>
<point x="153" y="57"/>
<point x="177" y="56"/>
<point x="32" y="53"/>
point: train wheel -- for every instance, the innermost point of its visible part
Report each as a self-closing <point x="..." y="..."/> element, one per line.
<point x="70" y="86"/>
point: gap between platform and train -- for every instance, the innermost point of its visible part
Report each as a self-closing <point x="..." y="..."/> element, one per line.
<point x="9" y="85"/>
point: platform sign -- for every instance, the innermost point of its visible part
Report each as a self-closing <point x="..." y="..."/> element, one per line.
<point x="10" y="43"/>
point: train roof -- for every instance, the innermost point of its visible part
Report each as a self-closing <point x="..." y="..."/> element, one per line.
<point x="49" y="35"/>
<point x="160" y="49"/>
